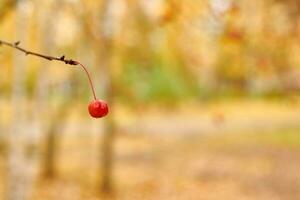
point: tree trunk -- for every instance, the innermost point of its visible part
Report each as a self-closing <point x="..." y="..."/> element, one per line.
<point x="46" y="24"/>
<point x="109" y="28"/>
<point x="17" y="175"/>
<point x="52" y="139"/>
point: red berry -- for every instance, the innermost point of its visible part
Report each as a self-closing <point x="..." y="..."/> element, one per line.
<point x="98" y="109"/>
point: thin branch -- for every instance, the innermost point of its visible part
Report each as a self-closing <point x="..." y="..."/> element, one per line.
<point x="50" y="58"/>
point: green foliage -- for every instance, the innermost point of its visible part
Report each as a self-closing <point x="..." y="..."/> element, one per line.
<point x="158" y="82"/>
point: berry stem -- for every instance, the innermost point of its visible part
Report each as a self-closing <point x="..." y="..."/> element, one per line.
<point x="89" y="77"/>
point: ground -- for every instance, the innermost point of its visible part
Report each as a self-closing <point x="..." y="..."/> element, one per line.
<point x="254" y="165"/>
<point x="243" y="150"/>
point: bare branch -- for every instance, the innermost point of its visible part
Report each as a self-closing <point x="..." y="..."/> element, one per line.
<point x="50" y="58"/>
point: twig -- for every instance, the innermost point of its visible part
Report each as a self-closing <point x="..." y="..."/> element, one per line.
<point x="50" y="58"/>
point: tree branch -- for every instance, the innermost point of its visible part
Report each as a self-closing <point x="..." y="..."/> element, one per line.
<point x="50" y="58"/>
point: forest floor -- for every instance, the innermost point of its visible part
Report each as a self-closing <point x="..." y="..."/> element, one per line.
<point x="237" y="151"/>
<point x="255" y="165"/>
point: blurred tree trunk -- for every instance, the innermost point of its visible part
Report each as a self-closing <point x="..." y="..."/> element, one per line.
<point x="51" y="145"/>
<point x="18" y="171"/>
<point x="104" y="46"/>
<point x="6" y="7"/>
<point x="107" y="33"/>
<point x="46" y="24"/>
<point x="103" y="42"/>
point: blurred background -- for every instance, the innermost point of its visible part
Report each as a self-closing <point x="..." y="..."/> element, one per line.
<point x="203" y="94"/>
